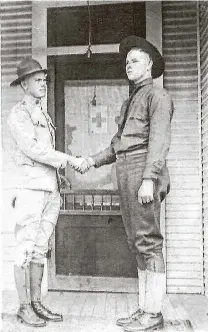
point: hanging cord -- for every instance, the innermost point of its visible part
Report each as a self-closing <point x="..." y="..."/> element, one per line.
<point x="89" y="52"/>
<point x="90" y="23"/>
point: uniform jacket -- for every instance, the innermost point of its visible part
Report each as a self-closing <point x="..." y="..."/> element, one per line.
<point x="147" y="128"/>
<point x="34" y="137"/>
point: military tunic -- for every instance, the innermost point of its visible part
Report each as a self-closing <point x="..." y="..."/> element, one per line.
<point x="38" y="198"/>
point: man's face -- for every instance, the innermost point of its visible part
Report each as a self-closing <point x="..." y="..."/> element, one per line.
<point x="138" y="65"/>
<point x="35" y="85"/>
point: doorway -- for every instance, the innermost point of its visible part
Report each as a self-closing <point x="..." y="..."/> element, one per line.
<point x="89" y="250"/>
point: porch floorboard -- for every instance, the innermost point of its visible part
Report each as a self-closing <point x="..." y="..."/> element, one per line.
<point x="97" y="312"/>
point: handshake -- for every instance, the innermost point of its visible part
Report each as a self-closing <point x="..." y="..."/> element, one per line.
<point x="80" y="164"/>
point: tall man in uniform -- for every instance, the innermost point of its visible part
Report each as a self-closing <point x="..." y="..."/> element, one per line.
<point x="139" y="149"/>
<point x="37" y="201"/>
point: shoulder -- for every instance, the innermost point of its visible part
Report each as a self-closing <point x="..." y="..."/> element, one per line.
<point x="18" y="113"/>
<point x="160" y="100"/>
<point x="159" y="93"/>
<point x="20" y="109"/>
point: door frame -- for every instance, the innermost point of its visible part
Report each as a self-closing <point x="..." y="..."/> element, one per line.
<point x="40" y="52"/>
<point x="56" y="102"/>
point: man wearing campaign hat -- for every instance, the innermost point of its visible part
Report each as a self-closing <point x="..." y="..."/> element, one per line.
<point x="139" y="149"/>
<point x="37" y="201"/>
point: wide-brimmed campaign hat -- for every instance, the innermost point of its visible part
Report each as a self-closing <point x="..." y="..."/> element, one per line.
<point x="138" y="42"/>
<point x="27" y="67"/>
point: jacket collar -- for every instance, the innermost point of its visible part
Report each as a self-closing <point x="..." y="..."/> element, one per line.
<point x="147" y="81"/>
<point x="31" y="101"/>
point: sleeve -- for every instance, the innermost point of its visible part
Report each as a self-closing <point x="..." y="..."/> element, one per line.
<point x="105" y="157"/>
<point x="22" y="129"/>
<point x="161" y="111"/>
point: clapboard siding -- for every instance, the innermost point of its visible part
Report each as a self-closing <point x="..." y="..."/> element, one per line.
<point x="203" y="29"/>
<point x="16" y="43"/>
<point x="183" y="205"/>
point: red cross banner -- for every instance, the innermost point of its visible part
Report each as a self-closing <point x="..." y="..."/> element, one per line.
<point x="98" y="119"/>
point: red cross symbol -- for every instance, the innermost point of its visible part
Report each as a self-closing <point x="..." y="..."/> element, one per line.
<point x="98" y="120"/>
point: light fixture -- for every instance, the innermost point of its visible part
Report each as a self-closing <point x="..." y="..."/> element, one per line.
<point x="89" y="51"/>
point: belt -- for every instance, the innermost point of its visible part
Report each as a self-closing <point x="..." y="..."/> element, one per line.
<point x="123" y="155"/>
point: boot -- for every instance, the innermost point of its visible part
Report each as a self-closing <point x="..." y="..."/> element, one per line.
<point x="25" y="313"/>
<point x="153" y="293"/>
<point x="136" y="315"/>
<point x="36" y="275"/>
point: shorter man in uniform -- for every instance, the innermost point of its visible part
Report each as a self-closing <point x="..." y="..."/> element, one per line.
<point x="37" y="202"/>
<point x="139" y="149"/>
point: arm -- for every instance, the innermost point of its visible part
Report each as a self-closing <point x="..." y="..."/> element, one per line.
<point x="22" y="130"/>
<point x="161" y="111"/>
<point x="104" y="157"/>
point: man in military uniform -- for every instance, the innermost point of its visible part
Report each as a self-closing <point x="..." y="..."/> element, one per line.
<point x="37" y="202"/>
<point x="139" y="149"/>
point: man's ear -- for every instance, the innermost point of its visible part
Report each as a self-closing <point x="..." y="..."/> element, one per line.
<point x="150" y="64"/>
<point x="23" y="84"/>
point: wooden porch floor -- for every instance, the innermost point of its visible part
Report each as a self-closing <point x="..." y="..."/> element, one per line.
<point x="97" y="312"/>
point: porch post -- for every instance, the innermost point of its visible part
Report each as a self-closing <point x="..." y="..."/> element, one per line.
<point x="154" y="28"/>
<point x="39" y="31"/>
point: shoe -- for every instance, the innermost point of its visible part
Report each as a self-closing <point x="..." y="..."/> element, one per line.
<point x="128" y="320"/>
<point x="45" y="313"/>
<point x="148" y="322"/>
<point x="36" y="275"/>
<point x="26" y="316"/>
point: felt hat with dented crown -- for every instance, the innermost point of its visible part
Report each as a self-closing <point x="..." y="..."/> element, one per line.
<point x="131" y="42"/>
<point x="27" y="67"/>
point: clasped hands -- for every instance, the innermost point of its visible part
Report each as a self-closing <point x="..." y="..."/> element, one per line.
<point x="81" y="164"/>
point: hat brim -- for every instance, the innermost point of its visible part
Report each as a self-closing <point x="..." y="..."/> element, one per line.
<point x="19" y="79"/>
<point x="138" y="42"/>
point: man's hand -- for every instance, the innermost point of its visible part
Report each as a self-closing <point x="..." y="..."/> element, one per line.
<point x="75" y="162"/>
<point x="86" y="164"/>
<point x="22" y="258"/>
<point x="145" y="193"/>
<point x="81" y="164"/>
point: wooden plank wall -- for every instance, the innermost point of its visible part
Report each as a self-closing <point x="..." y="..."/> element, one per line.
<point x="203" y="29"/>
<point x="183" y="206"/>
<point x="16" y="43"/>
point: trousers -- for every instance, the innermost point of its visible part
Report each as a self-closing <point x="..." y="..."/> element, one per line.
<point x="141" y="221"/>
<point x="36" y="214"/>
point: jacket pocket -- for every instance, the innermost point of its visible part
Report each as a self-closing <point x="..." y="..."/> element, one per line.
<point x="22" y="160"/>
<point x="136" y="126"/>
